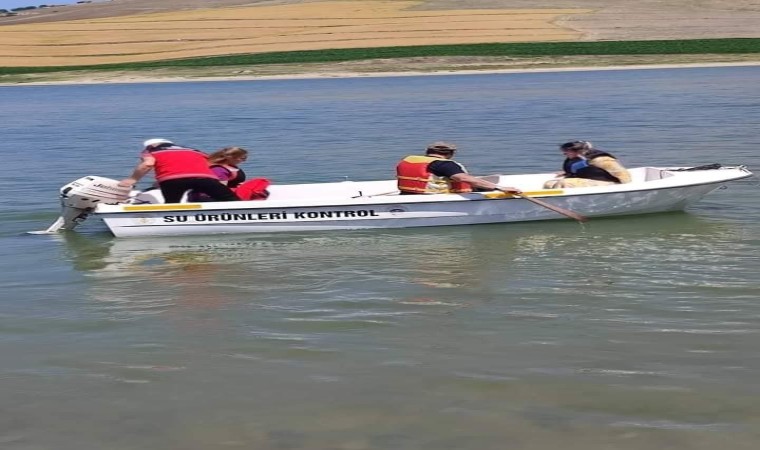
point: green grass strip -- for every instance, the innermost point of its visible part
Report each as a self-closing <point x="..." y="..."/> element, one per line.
<point x="669" y="47"/>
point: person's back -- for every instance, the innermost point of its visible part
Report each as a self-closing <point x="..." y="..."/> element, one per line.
<point x="174" y="161"/>
<point x="609" y="164"/>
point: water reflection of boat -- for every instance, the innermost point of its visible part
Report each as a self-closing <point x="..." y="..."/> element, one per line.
<point x="453" y="267"/>
<point x="447" y="251"/>
<point x="101" y="255"/>
<point x="376" y="205"/>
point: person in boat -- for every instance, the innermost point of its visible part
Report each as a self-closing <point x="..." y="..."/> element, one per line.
<point x="225" y="165"/>
<point x="178" y="169"/>
<point x="586" y="166"/>
<point x="437" y="173"/>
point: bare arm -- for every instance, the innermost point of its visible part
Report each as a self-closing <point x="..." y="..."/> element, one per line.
<point x="483" y="184"/>
<point x="145" y="166"/>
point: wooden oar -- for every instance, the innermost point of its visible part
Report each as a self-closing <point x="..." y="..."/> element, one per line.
<point x="396" y="192"/>
<point x="557" y="209"/>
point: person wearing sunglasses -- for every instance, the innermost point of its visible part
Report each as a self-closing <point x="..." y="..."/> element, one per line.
<point x="437" y="173"/>
<point x="586" y="166"/>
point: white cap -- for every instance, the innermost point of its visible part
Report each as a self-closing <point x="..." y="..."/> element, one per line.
<point x="156" y="141"/>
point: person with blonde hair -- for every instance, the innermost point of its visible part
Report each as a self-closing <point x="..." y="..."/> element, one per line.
<point x="225" y="164"/>
<point x="586" y="166"/>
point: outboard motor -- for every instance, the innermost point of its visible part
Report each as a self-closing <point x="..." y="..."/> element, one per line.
<point x="79" y="198"/>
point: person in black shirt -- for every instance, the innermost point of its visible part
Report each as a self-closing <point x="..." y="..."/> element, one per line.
<point x="438" y="173"/>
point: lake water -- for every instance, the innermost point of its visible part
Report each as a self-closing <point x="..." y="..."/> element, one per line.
<point x="628" y="333"/>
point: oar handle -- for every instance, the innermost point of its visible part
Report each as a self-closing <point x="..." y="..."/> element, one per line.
<point x="557" y="209"/>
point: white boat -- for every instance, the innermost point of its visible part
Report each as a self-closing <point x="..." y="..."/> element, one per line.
<point x="353" y="205"/>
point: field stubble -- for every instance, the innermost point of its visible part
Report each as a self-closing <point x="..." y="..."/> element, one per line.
<point x="125" y="31"/>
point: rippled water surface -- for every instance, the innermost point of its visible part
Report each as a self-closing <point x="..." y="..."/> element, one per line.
<point x="626" y="333"/>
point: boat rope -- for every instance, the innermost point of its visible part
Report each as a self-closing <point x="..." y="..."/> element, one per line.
<point x="713" y="166"/>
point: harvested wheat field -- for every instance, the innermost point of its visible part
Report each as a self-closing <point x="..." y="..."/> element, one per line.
<point x="258" y="29"/>
<point x="133" y="31"/>
<point x="140" y="30"/>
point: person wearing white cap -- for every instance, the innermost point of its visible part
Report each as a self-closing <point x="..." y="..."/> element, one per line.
<point x="178" y="169"/>
<point x="438" y="173"/>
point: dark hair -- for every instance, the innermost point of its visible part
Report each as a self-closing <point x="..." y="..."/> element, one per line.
<point x="441" y="147"/>
<point x="577" y="146"/>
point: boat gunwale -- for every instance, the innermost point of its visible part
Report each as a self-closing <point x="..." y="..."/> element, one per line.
<point x="419" y="199"/>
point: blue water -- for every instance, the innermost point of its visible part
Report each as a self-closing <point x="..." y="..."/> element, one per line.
<point x="626" y="333"/>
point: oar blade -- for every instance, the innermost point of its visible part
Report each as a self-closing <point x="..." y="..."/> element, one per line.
<point x="557" y="209"/>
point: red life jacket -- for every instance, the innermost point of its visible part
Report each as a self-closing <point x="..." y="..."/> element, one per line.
<point x="254" y="189"/>
<point x="178" y="162"/>
<point x="414" y="177"/>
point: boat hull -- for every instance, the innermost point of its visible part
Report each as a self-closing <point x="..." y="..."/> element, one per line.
<point x="342" y="211"/>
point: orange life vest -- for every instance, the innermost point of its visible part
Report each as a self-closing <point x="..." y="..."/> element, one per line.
<point x="414" y="177"/>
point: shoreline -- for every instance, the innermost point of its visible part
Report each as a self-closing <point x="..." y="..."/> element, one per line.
<point x="137" y="79"/>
